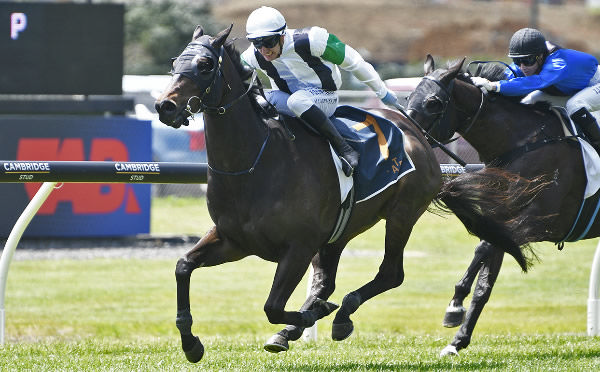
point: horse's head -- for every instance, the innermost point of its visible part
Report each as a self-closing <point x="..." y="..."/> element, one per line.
<point x="428" y="104"/>
<point x="197" y="79"/>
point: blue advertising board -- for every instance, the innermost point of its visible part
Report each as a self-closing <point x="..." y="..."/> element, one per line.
<point x="77" y="209"/>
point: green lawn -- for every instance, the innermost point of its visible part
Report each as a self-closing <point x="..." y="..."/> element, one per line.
<point x="118" y="314"/>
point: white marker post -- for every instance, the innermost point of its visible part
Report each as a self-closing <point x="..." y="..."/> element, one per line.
<point x="593" y="310"/>
<point x="310" y="334"/>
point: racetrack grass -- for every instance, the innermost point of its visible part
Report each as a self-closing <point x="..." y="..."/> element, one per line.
<point x="113" y="314"/>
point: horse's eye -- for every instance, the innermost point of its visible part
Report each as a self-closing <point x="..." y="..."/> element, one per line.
<point x="204" y="65"/>
<point x="433" y="105"/>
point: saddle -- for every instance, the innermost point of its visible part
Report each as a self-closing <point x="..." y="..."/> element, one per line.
<point x="383" y="159"/>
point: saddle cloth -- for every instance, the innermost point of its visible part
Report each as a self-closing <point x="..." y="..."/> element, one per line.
<point x="591" y="159"/>
<point x="590" y="205"/>
<point x="380" y="143"/>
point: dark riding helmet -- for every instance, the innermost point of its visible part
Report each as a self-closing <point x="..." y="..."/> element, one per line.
<point x="527" y="42"/>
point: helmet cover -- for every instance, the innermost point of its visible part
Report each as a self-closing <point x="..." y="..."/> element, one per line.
<point x="527" y="42"/>
<point x="265" y="21"/>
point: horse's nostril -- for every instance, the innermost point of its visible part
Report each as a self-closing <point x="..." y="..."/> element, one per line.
<point x="165" y="107"/>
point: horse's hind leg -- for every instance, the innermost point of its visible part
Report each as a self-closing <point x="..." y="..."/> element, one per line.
<point x="455" y="312"/>
<point x="209" y="251"/>
<point x="485" y="283"/>
<point x="325" y="264"/>
<point x="390" y="275"/>
<point x="290" y="270"/>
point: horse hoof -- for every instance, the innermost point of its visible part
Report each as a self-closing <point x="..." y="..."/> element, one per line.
<point x="196" y="352"/>
<point x="341" y="331"/>
<point x="276" y="344"/>
<point x="449" y="350"/>
<point x="454" y="316"/>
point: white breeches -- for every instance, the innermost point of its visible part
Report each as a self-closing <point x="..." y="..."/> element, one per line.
<point x="297" y="103"/>
<point x="587" y="97"/>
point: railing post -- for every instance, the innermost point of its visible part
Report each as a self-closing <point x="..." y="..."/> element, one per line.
<point x="13" y="240"/>
<point x="593" y="313"/>
<point x="310" y="334"/>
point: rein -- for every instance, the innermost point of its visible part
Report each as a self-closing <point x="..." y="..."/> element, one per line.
<point x="249" y="170"/>
<point x="193" y="75"/>
<point x="430" y="138"/>
<point x="514" y="153"/>
<point x="218" y="109"/>
<point x="445" y="101"/>
<point x="484" y="96"/>
<point x="427" y="135"/>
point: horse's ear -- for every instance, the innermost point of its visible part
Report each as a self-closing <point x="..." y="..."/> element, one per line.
<point x="219" y="40"/>
<point x="455" y="68"/>
<point x="429" y="65"/>
<point x="199" y="31"/>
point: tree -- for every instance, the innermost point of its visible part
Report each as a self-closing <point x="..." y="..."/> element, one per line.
<point x="156" y="30"/>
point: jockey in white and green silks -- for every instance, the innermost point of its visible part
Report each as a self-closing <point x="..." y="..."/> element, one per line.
<point x="302" y="65"/>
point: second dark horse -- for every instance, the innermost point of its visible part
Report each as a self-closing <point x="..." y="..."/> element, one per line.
<point x="527" y="140"/>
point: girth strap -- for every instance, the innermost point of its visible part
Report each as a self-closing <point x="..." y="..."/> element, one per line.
<point x="517" y="152"/>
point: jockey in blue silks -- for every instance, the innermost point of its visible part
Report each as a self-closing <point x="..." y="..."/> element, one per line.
<point x="546" y="69"/>
<point x="302" y="66"/>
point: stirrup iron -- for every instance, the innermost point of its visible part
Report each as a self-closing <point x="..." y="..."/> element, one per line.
<point x="346" y="167"/>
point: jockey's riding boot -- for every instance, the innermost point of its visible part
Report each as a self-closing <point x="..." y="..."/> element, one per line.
<point x="317" y="119"/>
<point x="588" y="125"/>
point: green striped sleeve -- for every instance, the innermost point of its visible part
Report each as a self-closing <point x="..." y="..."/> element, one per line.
<point x="335" y="51"/>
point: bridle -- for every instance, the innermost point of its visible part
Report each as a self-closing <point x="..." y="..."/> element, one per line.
<point x="191" y="71"/>
<point x="445" y="100"/>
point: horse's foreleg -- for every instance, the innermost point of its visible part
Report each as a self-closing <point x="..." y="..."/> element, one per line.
<point x="390" y="275"/>
<point x="325" y="265"/>
<point x="455" y="312"/>
<point x="485" y="283"/>
<point x="209" y="251"/>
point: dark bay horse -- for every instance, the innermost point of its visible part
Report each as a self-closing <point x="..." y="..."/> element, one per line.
<point x="279" y="198"/>
<point x="525" y="140"/>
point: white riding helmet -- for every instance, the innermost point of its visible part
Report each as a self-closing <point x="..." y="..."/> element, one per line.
<point x="265" y="21"/>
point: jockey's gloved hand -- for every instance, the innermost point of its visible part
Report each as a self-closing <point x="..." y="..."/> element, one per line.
<point x="490" y="86"/>
<point x="390" y="98"/>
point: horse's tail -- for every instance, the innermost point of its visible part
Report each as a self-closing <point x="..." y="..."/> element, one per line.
<point x="490" y="203"/>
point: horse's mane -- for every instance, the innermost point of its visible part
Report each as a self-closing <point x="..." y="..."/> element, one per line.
<point x="245" y="73"/>
<point x="494" y="71"/>
<point x="234" y="55"/>
<point x="491" y="71"/>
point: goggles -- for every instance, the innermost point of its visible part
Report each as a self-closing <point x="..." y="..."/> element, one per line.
<point x="266" y="41"/>
<point x="527" y="61"/>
